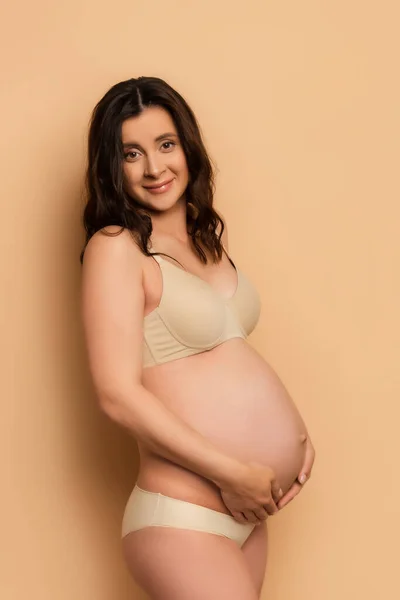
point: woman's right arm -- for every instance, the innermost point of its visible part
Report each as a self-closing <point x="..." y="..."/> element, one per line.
<point x="112" y="304"/>
<point x="112" y="311"/>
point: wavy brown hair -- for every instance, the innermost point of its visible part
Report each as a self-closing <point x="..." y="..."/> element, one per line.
<point x="108" y="203"/>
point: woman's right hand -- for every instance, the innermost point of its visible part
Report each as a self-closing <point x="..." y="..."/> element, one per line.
<point x="253" y="495"/>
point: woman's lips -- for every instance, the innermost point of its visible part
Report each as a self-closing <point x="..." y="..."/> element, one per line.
<point x="160" y="189"/>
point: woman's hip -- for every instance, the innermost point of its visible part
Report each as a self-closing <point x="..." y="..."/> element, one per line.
<point x="146" y="508"/>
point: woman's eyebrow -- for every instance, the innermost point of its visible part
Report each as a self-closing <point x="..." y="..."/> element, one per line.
<point x="158" y="139"/>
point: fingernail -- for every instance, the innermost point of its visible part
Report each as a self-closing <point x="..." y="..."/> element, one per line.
<point x="302" y="478"/>
<point x="280" y="493"/>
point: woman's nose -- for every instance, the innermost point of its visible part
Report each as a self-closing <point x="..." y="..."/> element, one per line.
<point x="154" y="166"/>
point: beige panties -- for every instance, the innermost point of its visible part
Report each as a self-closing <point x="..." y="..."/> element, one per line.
<point x="147" y="509"/>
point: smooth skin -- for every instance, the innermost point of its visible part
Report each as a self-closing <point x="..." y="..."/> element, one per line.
<point x="178" y="564"/>
<point x="303" y="477"/>
<point x="169" y="563"/>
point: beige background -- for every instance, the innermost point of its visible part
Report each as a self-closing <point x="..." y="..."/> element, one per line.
<point x="299" y="104"/>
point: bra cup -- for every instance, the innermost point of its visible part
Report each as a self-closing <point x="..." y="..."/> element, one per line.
<point x="195" y="314"/>
<point x="192" y="317"/>
<point x="246" y="305"/>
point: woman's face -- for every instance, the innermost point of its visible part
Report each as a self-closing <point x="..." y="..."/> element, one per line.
<point x="153" y="155"/>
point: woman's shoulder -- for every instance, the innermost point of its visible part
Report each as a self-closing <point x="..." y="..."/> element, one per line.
<point x="113" y="244"/>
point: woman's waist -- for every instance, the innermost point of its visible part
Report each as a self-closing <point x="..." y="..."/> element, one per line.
<point x="236" y="400"/>
<point x="157" y="474"/>
<point x="160" y="474"/>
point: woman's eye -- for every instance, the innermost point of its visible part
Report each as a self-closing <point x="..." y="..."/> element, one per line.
<point x="171" y="144"/>
<point x="129" y="155"/>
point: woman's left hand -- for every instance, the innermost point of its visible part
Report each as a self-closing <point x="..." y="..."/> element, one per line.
<point x="304" y="475"/>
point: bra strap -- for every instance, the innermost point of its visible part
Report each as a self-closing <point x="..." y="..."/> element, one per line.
<point x="229" y="258"/>
<point x="156" y="258"/>
<point x="160" y="260"/>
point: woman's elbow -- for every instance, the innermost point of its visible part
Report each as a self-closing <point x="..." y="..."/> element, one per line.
<point x="115" y="402"/>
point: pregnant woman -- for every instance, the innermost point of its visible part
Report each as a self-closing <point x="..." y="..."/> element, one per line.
<point x="166" y="314"/>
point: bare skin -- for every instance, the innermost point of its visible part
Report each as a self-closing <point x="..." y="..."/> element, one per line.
<point x="178" y="564"/>
<point x="230" y="395"/>
<point x="233" y="397"/>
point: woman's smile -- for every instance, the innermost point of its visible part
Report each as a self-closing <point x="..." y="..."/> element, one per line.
<point x="161" y="188"/>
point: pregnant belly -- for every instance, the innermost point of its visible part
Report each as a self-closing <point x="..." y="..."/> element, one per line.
<point x="233" y="398"/>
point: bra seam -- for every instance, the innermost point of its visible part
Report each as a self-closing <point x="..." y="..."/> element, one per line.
<point x="197" y="350"/>
<point x="237" y="320"/>
<point x="179" y="339"/>
<point x="149" y="348"/>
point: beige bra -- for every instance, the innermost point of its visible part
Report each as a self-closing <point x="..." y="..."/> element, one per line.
<point x="192" y="317"/>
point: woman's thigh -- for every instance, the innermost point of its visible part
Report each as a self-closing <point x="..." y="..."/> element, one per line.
<point x="255" y="550"/>
<point x="180" y="564"/>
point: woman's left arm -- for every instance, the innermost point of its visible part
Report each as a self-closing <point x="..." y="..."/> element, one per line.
<point x="303" y="476"/>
